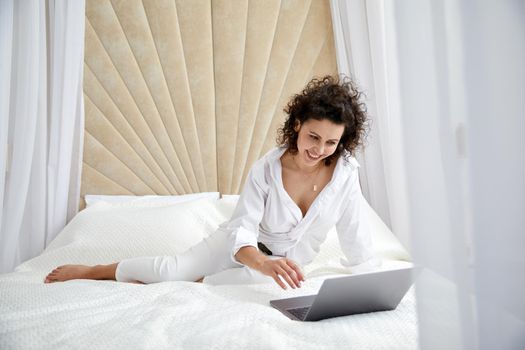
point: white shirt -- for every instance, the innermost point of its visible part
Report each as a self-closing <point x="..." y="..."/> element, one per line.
<point x="266" y="213"/>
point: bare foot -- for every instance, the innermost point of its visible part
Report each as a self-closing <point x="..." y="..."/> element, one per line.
<point x="69" y="272"/>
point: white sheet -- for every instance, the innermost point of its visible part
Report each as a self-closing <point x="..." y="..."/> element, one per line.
<point x="106" y="315"/>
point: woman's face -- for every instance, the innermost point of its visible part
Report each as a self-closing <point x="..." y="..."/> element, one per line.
<point x="317" y="140"/>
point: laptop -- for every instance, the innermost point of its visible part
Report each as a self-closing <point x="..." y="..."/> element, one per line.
<point x="348" y="295"/>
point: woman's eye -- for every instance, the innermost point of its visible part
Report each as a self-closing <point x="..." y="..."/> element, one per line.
<point x="313" y="137"/>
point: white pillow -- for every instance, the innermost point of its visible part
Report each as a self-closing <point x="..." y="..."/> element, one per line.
<point x="109" y="232"/>
<point x="92" y="199"/>
<point x="230" y="198"/>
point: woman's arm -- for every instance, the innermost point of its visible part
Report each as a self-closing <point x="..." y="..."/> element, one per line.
<point x="244" y="225"/>
<point x="353" y="226"/>
<point x="279" y="268"/>
<point x="251" y="257"/>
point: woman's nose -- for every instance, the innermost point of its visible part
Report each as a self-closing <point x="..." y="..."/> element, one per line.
<point x="320" y="149"/>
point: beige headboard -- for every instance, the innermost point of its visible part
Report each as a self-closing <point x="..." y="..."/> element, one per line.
<point x="182" y="96"/>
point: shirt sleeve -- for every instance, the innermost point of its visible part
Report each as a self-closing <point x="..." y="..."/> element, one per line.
<point x="353" y="227"/>
<point x="244" y="223"/>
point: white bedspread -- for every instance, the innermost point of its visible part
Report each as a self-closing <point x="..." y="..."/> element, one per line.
<point x="85" y="314"/>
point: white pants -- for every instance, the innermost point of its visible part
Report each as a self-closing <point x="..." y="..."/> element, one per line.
<point x="211" y="258"/>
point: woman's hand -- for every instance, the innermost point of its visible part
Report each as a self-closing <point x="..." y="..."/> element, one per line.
<point x="283" y="268"/>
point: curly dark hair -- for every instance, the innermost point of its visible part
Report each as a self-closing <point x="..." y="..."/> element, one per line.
<point x="333" y="98"/>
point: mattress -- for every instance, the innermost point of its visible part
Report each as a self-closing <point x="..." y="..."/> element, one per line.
<point x="82" y="314"/>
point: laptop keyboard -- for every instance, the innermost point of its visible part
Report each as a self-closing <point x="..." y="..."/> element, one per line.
<point x="300" y="312"/>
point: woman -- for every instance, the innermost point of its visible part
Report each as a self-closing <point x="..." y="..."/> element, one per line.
<point x="291" y="199"/>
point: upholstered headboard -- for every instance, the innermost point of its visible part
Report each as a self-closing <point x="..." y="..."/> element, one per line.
<point x="183" y="96"/>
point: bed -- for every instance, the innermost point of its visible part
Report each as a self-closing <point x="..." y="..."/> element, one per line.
<point x="181" y="97"/>
<point x="92" y="314"/>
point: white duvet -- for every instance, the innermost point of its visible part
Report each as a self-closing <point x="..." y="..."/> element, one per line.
<point x="86" y="314"/>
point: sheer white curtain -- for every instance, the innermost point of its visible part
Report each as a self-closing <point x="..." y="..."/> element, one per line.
<point x="366" y="51"/>
<point x="459" y="73"/>
<point x="41" y="110"/>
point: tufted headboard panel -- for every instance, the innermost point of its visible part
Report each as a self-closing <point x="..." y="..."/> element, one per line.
<point x="183" y="96"/>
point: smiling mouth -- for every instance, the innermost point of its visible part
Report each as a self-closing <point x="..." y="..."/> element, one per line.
<point x="311" y="156"/>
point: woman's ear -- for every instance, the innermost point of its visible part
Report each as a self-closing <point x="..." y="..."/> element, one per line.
<point x="297" y="126"/>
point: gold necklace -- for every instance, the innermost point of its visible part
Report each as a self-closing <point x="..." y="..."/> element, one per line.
<point x="315" y="178"/>
<point x="309" y="175"/>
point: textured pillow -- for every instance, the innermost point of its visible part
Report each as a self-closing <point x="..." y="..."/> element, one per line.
<point x="109" y="232"/>
<point x="149" y="200"/>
